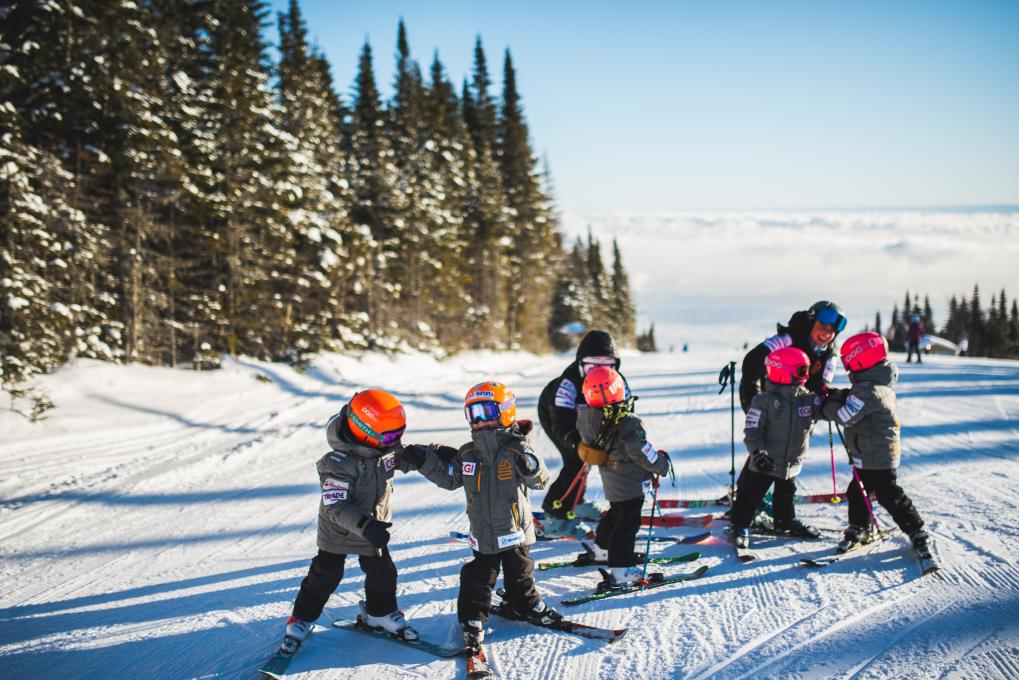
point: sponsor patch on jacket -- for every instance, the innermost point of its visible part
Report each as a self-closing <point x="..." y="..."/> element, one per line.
<point x="806" y="411"/>
<point x="566" y="395"/>
<point x="778" y="342"/>
<point x="504" y="471"/>
<point x="331" y="496"/>
<point x="646" y="486"/>
<point x="516" y="538"/>
<point x="649" y="452"/>
<point x="471" y="541"/>
<point x="852" y="406"/>
<point x="337" y="456"/>
<point x="389" y="462"/>
<point x="468" y="468"/>
<point x="753" y="418"/>
<point x="331" y="484"/>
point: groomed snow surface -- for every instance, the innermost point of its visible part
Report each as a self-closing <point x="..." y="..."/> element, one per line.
<point x="159" y="523"/>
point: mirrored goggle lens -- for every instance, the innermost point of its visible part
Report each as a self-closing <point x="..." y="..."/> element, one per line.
<point x="801" y="371"/>
<point x="392" y="437"/>
<point x="832" y="318"/>
<point x="482" y="412"/>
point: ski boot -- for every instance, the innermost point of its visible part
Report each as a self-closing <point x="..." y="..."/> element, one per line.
<point x="297" y="630"/>
<point x="853" y="537"/>
<point x="618" y="578"/>
<point x="393" y="623"/>
<point x="741" y="537"/>
<point x="589" y="511"/>
<point x="474" y="635"/>
<point x="560" y="527"/>
<point x="921" y="541"/>
<point x="543" y="615"/>
<point x="795" y="527"/>
<point x="595" y="554"/>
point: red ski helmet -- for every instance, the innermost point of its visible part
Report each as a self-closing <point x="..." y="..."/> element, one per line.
<point x="787" y="366"/>
<point x="864" y="350"/>
<point x="603" y="386"/>
<point x="376" y="418"/>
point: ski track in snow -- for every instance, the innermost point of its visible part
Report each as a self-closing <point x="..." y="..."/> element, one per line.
<point x="160" y="522"/>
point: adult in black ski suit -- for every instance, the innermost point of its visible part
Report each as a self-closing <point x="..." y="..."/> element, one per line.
<point x="811" y="330"/>
<point x="557" y="413"/>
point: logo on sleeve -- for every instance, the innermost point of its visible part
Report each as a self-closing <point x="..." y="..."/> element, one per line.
<point x="468" y="468"/>
<point x="649" y="452"/>
<point x="778" y="342"/>
<point x="646" y="486"/>
<point x="806" y="411"/>
<point x="331" y="484"/>
<point x="753" y="418"/>
<point x="851" y="408"/>
<point x="566" y="395"/>
<point x="389" y="462"/>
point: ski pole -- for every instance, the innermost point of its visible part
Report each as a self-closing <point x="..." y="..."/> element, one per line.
<point x="859" y="483"/>
<point x="558" y="504"/>
<point x="650" y="531"/>
<point x="834" y="485"/>
<point x="580" y="492"/>
<point x="727" y="376"/>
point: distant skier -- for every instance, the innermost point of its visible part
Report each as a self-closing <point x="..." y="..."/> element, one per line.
<point x="777" y="433"/>
<point x="812" y="331"/>
<point x="557" y="412"/>
<point x="354" y="515"/>
<point x="495" y="470"/>
<point x="914" y="335"/>
<point x="612" y="434"/>
<point x="867" y="412"/>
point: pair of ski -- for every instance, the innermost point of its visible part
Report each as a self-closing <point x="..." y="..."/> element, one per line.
<point x="724" y="500"/>
<point x="928" y="562"/>
<point x="586" y="559"/>
<point x="683" y="540"/>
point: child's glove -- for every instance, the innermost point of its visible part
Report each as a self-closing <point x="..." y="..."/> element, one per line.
<point x="375" y="532"/>
<point x="446" y="453"/>
<point x="414" y="455"/>
<point x="528" y="463"/>
<point x="763" y="462"/>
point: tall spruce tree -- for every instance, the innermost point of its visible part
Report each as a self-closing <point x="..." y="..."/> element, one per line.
<point x="623" y="315"/>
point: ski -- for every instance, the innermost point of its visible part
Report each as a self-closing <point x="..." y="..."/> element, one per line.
<point x="706" y="502"/>
<point x="585" y="560"/>
<point x="695" y="574"/>
<point x="609" y="635"/>
<point x="477" y="665"/>
<point x="829" y="560"/>
<point x="424" y="645"/>
<point x="745" y="554"/>
<point x="277" y="664"/>
<point x="677" y="520"/>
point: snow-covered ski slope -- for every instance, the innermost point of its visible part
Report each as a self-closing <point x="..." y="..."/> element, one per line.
<point x="158" y="525"/>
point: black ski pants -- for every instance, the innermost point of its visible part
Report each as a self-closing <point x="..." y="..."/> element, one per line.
<point x="752" y="487"/>
<point x="617" y="531"/>
<point x="478" y="577"/>
<point x="324" y="577"/>
<point x="914" y="346"/>
<point x="571" y="468"/>
<point x="882" y="485"/>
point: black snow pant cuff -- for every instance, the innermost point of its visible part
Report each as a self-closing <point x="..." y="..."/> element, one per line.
<point x="478" y="577"/>
<point x="617" y="531"/>
<point x="883" y="486"/>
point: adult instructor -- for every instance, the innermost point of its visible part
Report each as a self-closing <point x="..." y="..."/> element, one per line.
<point x="557" y="413"/>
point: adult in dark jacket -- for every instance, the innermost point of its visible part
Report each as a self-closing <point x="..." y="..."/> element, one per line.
<point x="914" y="335"/>
<point x="812" y="331"/>
<point x="557" y="413"/>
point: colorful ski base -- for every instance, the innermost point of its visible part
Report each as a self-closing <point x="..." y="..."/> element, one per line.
<point x="579" y="562"/>
<point x="423" y="645"/>
<point x="695" y="574"/>
<point x="723" y="501"/>
<point x="477" y="665"/>
<point x="678" y="520"/>
<point x="609" y="635"/>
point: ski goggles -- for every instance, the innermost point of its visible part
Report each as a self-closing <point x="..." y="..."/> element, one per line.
<point x="830" y="317"/>
<point x="589" y="363"/>
<point x="388" y="438"/>
<point x="486" y="411"/>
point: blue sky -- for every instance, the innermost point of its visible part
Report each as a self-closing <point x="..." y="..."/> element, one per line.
<point x="662" y="106"/>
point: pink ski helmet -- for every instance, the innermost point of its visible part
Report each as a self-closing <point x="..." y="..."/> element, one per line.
<point x="603" y="386"/>
<point x="864" y="350"/>
<point x="787" y="366"/>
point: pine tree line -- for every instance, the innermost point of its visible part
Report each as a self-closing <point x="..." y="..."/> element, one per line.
<point x="990" y="333"/>
<point x="169" y="195"/>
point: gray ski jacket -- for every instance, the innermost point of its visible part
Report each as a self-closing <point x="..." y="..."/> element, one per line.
<point x="779" y="421"/>
<point x="632" y="463"/>
<point x="495" y="470"/>
<point x="869" y="417"/>
<point x="356" y="483"/>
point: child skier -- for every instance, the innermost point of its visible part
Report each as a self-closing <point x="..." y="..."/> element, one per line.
<point x="867" y="412"/>
<point x="612" y="434"/>
<point x="776" y="433"/>
<point x="353" y="516"/>
<point x="495" y="470"/>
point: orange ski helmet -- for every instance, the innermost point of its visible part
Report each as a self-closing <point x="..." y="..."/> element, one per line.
<point x="376" y="418"/>
<point x="603" y="386"/>
<point x="490" y="404"/>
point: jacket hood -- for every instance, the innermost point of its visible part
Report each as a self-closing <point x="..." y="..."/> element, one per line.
<point x="491" y="439"/>
<point x="597" y="344"/>
<point x="883" y="373"/>
<point x="339" y="438"/>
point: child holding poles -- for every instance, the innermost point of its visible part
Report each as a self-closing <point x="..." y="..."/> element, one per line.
<point x="613" y="437"/>
<point x="776" y="433"/>
<point x="867" y="412"/>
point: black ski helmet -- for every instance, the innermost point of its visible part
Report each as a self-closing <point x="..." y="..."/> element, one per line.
<point x="828" y="313"/>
